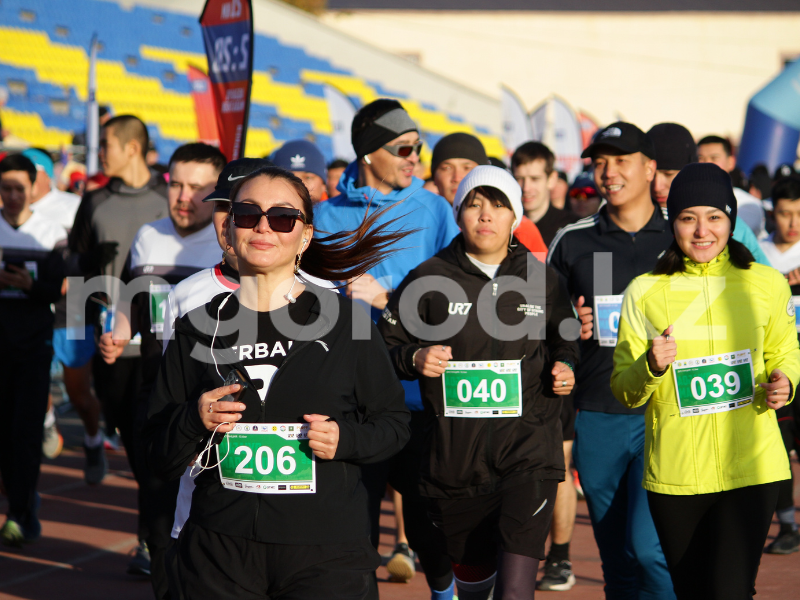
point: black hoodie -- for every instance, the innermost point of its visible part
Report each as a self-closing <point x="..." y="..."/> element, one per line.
<point x="350" y="380"/>
<point x="467" y="457"/>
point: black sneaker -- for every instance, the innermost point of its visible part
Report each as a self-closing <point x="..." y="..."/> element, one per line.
<point x="558" y="577"/>
<point x="96" y="464"/>
<point x="401" y="565"/>
<point x="140" y="563"/>
<point x="786" y="543"/>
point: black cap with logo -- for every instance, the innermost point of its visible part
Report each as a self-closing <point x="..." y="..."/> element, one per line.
<point x="625" y="137"/>
<point x="234" y="170"/>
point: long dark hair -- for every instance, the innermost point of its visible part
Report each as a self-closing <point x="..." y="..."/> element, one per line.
<point x="671" y="261"/>
<point x="343" y="255"/>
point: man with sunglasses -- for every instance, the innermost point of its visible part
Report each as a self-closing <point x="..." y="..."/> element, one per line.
<point x="387" y="146"/>
<point x="165" y="251"/>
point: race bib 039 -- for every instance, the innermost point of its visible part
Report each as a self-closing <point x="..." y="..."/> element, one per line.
<point x="607" y="310"/>
<point x="483" y="389"/>
<point x="268" y="458"/>
<point x="712" y="384"/>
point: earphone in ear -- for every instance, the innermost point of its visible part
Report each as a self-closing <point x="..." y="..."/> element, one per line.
<point x="367" y="160"/>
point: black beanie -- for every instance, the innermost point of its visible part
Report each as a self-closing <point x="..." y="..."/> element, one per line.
<point x="675" y="147"/>
<point x="458" y="145"/>
<point x="701" y="184"/>
<point x="391" y="124"/>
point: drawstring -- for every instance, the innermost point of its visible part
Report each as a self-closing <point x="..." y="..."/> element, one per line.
<point x="207" y="450"/>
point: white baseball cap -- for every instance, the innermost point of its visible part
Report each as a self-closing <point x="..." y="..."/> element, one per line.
<point x="495" y="177"/>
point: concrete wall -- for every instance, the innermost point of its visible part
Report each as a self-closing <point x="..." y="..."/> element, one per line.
<point x="698" y="69"/>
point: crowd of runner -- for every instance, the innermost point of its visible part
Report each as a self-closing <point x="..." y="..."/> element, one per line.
<point x="280" y="344"/>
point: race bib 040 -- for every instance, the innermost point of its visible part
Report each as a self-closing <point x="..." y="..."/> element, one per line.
<point x="607" y="310"/>
<point x="483" y="389"/>
<point x="712" y="384"/>
<point x="268" y="458"/>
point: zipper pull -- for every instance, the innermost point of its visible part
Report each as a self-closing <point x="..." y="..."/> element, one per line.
<point x="494" y="289"/>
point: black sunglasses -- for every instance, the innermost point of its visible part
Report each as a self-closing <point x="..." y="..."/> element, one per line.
<point x="404" y="150"/>
<point x="280" y="218"/>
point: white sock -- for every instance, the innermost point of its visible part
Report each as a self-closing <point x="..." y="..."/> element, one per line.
<point x="50" y="418"/>
<point x="93" y="441"/>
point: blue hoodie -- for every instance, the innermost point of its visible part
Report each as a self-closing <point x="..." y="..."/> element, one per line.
<point x="420" y="209"/>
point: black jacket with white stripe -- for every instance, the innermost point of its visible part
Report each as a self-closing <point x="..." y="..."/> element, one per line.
<point x="575" y="253"/>
<point x="468" y="457"/>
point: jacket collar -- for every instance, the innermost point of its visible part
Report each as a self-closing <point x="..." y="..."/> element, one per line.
<point x="456" y="253"/>
<point x="227" y="306"/>
<point x="715" y="267"/>
<point x="366" y="195"/>
<point x="656" y="223"/>
<point x="117" y="186"/>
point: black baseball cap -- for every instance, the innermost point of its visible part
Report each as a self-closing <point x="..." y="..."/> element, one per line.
<point x="234" y="170"/>
<point x="625" y="137"/>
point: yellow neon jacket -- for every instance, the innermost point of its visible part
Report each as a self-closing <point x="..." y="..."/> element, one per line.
<point x="714" y="308"/>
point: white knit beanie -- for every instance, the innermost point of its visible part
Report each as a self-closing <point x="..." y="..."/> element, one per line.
<point x="495" y="177"/>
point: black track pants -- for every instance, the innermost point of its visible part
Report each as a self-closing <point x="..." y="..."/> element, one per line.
<point x="713" y="542"/>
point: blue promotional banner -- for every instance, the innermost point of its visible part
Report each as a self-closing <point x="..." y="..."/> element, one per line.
<point x="228" y="36"/>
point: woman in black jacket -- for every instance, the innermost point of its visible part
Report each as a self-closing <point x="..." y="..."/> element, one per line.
<point x="279" y="510"/>
<point x="490" y="383"/>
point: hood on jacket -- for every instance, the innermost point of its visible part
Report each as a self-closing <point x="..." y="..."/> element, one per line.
<point x="366" y="195"/>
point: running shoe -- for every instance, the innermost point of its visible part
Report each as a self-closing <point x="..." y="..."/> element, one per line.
<point x="558" y="577"/>
<point x="96" y="464"/>
<point x="11" y="534"/>
<point x="401" y="565"/>
<point x="53" y="442"/>
<point x="111" y="443"/>
<point x="140" y="563"/>
<point x="786" y="543"/>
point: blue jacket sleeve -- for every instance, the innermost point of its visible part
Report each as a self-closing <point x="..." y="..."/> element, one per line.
<point x="742" y="233"/>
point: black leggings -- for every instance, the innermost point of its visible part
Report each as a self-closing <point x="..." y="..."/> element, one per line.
<point x="713" y="542"/>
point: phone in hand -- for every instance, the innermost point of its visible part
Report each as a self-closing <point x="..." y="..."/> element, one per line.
<point x="16" y="263"/>
<point x="234" y="377"/>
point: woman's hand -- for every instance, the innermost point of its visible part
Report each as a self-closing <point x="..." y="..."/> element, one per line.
<point x="586" y="317"/>
<point x="432" y="361"/>
<point x="663" y="352"/>
<point x="213" y="411"/>
<point x="323" y="435"/>
<point x="778" y="389"/>
<point x="563" y="379"/>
